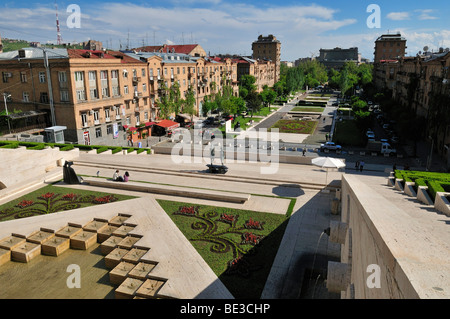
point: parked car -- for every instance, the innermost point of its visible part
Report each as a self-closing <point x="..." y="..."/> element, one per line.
<point x="386" y="126"/>
<point x="330" y="146"/>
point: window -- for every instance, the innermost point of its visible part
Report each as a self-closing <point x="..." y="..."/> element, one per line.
<point x="23" y="77"/>
<point x="96" y="117"/>
<point x="94" y="94"/>
<point x="115" y="91"/>
<point x="125" y="89"/>
<point x="128" y="120"/>
<point x="5" y="76"/>
<point x="81" y="95"/>
<point x="107" y="113"/>
<point x="84" y="121"/>
<point x="42" y="77"/>
<point x="26" y="97"/>
<point x="109" y="129"/>
<point x="64" y="95"/>
<point x="114" y="74"/>
<point x="145" y="116"/>
<point x="44" y="97"/>
<point x="92" y="76"/>
<point x="143" y="72"/>
<point x="125" y="73"/>
<point x="105" y="92"/>
<point x="134" y="73"/>
<point x="178" y="70"/>
<point x="144" y="87"/>
<point x="165" y="71"/>
<point x="98" y="132"/>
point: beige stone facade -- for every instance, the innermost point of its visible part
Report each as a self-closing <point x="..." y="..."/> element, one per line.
<point x="389" y="47"/>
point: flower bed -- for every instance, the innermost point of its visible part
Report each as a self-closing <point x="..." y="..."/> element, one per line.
<point x="295" y="126"/>
<point x="238" y="245"/>
<point x="52" y="199"/>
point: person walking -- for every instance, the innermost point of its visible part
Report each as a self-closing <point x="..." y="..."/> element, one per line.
<point x="361" y="166"/>
<point x="357" y="165"/>
<point x="304" y="151"/>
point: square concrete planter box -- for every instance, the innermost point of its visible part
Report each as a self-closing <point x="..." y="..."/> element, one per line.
<point x="141" y="270"/>
<point x="422" y="195"/>
<point x="127" y="290"/>
<point x="94" y="151"/>
<point x="123" y="230"/>
<point x="55" y="246"/>
<point x="83" y="240"/>
<point x="69" y="231"/>
<point x="110" y="244"/>
<point x="107" y="152"/>
<point x="95" y="226"/>
<point x="5" y="256"/>
<point x="11" y="242"/>
<point x="120" y="272"/>
<point x="104" y="233"/>
<point x="409" y="189"/>
<point x="149" y="288"/>
<point x="115" y="257"/>
<point x="40" y="237"/>
<point x="118" y="220"/>
<point x="134" y="255"/>
<point x="128" y="242"/>
<point x="442" y="204"/>
<point x="25" y="252"/>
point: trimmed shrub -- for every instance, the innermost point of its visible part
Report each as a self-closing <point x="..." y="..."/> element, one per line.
<point x="40" y="146"/>
<point x="10" y="145"/>
<point x="102" y="149"/>
<point x="67" y="147"/>
<point x="116" y="150"/>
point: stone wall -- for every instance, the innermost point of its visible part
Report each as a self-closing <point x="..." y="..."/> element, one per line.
<point x="21" y="165"/>
<point x="383" y="242"/>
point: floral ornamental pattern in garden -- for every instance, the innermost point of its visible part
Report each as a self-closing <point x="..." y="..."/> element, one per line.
<point x="242" y="247"/>
<point x="51" y="202"/>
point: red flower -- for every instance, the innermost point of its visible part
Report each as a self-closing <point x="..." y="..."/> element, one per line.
<point x="104" y="199"/>
<point x="69" y="196"/>
<point x="25" y="203"/>
<point x="48" y="195"/>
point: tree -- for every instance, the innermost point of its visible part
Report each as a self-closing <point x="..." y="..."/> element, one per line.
<point x="254" y="102"/>
<point x="189" y="103"/>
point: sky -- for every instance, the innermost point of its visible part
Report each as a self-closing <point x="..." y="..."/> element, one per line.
<point x="230" y="26"/>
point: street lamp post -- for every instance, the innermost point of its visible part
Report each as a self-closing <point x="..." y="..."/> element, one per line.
<point x="5" y="96"/>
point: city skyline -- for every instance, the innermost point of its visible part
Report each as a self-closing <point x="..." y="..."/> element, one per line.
<point x="230" y="27"/>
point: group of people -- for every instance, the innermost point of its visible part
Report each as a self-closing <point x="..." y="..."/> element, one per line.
<point x="118" y="178"/>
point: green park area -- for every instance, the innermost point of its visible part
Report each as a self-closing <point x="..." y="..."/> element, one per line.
<point x="308" y="109"/>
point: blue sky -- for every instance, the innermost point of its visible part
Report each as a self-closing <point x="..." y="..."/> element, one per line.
<point x="229" y="26"/>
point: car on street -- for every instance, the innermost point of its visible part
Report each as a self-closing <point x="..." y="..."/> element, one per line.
<point x="331" y="146"/>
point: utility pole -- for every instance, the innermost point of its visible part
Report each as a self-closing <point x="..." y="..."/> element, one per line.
<point x="5" y="96"/>
<point x="50" y="89"/>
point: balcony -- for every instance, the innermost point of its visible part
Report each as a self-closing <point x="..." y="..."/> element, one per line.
<point x="137" y="94"/>
<point x="136" y="80"/>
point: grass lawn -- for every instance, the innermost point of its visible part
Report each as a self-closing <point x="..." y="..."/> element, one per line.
<point x="239" y="245"/>
<point x="308" y="109"/>
<point x="295" y="126"/>
<point x="52" y="199"/>
<point x="348" y="134"/>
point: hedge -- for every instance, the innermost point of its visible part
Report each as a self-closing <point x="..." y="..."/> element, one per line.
<point x="116" y="150"/>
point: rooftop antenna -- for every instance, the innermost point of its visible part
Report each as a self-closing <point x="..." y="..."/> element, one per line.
<point x="58" y="30"/>
<point x="128" y="40"/>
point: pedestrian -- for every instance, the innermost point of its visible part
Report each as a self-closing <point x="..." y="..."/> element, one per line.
<point x="324" y="119"/>
<point x="117" y="177"/>
<point x="126" y="176"/>
<point x="304" y="151"/>
<point x="357" y="165"/>
<point x="361" y="166"/>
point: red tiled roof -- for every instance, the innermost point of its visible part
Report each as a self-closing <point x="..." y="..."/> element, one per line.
<point x="97" y="54"/>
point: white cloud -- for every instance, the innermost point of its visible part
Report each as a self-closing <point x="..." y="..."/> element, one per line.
<point x="425" y="14"/>
<point x="398" y="16"/>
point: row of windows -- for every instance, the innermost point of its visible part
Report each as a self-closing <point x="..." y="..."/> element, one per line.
<point x="96" y="116"/>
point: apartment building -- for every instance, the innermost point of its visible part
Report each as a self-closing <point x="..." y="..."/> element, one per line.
<point x="194" y="50"/>
<point x="268" y="48"/>
<point x="205" y="76"/>
<point x="95" y="94"/>
<point x="337" y="57"/>
<point x="389" y="47"/>
<point x="422" y="83"/>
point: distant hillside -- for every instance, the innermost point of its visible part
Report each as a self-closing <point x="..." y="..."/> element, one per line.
<point x="12" y="45"/>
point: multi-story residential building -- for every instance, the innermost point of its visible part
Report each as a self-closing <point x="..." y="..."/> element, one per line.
<point x="389" y="47"/>
<point x="95" y="94"/>
<point x="268" y="48"/>
<point x="422" y="83"/>
<point x="205" y="76"/>
<point x="194" y="50"/>
<point x="337" y="57"/>
<point x="262" y="70"/>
